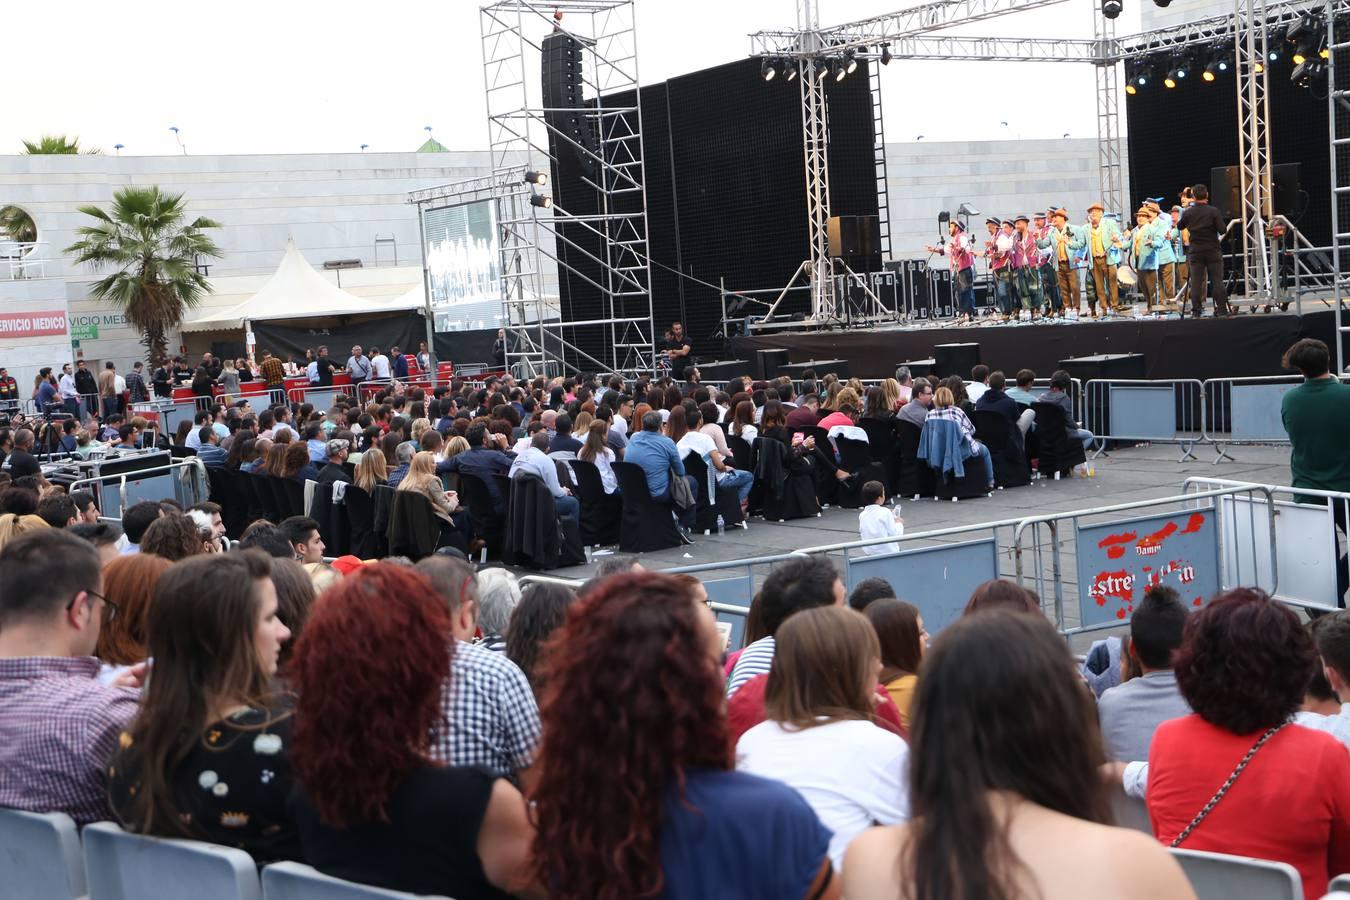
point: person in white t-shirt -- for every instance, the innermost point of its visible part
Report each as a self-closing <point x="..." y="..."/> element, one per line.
<point x="876" y="520"/>
<point x="379" y="365"/>
<point x="978" y="383"/>
<point x="683" y="427"/>
<point x="819" y="737"/>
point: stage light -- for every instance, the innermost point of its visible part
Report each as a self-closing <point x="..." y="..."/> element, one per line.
<point x="1111" y="8"/>
<point x="1308" y="72"/>
<point x="768" y="69"/>
<point x="1322" y="51"/>
<point x="1162" y="3"/>
<point x="790" y="70"/>
<point x="1273" y="56"/>
<point x="543" y="201"/>
<point x="1130" y="88"/>
<point x="886" y="54"/>
<point x="1299" y="57"/>
<point x="1170" y="80"/>
<point x="851" y="62"/>
<point x="539" y="178"/>
<point x="1260" y="67"/>
<point x="820" y="67"/>
<point x="838" y="69"/>
<point x="1208" y="74"/>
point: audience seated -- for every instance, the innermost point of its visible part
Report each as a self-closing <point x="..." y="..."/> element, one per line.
<point x="1243" y="665"/>
<point x="658" y="457"/>
<point x="498" y="597"/>
<point x="634" y="687"/>
<point x="484" y="459"/>
<point x="12" y="526"/>
<point x="868" y="591"/>
<point x="1131" y="712"/>
<point x="1060" y="383"/>
<point x="1001" y="594"/>
<point x="489" y="716"/>
<point x="818" y="736"/>
<point x="903" y="641"/>
<point x="915" y="411"/>
<point x="988" y="816"/>
<point x="105" y="536"/>
<point x="535" y="461"/>
<point x="945" y="452"/>
<point x="371" y="804"/>
<point x="295" y="595"/>
<point x="173" y="537"/>
<point x="1332" y="636"/>
<point x="996" y="399"/>
<point x="335" y="470"/>
<point x="206" y="756"/>
<point x="129" y="584"/>
<point x="542" y="609"/>
<point x="597" y="452"/>
<point x="60" y="723"/>
<point x="792" y="586"/>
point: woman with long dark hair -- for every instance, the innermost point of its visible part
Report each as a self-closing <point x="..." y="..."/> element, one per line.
<point x="818" y="736"/>
<point x="903" y="639"/>
<point x="129" y="584"/>
<point x="371" y="805"/>
<point x="743" y="422"/>
<point x="1006" y="800"/>
<point x="206" y="756"/>
<point x="541" y="611"/>
<point x="635" y="796"/>
<point x="597" y="452"/>
<point x="1243" y="666"/>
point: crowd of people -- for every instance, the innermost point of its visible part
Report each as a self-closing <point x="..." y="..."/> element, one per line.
<point x="435" y="729"/>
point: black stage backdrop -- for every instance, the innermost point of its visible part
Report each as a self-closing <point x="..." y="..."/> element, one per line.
<point x="726" y="194"/>
<point x="1245" y="345"/>
<point x="404" y="330"/>
<point x="1176" y="136"/>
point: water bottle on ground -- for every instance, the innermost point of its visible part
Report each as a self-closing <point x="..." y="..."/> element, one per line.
<point x="721" y="526"/>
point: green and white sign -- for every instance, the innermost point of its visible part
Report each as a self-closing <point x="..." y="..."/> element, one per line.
<point x="85" y="332"/>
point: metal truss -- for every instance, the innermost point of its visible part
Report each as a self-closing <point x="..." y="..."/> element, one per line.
<point x="879" y="159"/>
<point x="1338" y="127"/>
<point x="520" y="135"/>
<point x="1110" y="171"/>
<point x="1249" y="41"/>
<point x="865" y="33"/>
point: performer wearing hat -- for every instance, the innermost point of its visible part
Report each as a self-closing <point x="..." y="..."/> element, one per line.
<point x="1064" y="251"/>
<point x="1162" y="227"/>
<point x="1144" y="244"/>
<point x="1045" y="262"/>
<point x="1102" y="237"/>
<point x="962" y="261"/>
<point x="1000" y="263"/>
<point x="1180" y="273"/>
<point x="1027" y="267"/>
<point x="991" y="225"/>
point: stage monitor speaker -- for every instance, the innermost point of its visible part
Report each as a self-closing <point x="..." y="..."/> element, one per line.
<point x="851" y="237"/>
<point x="560" y="71"/>
<point x="768" y="362"/>
<point x="1225" y="190"/>
<point x="955" y="359"/>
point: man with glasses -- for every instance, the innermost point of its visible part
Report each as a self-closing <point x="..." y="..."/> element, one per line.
<point x="59" y="723"/>
<point x="920" y="402"/>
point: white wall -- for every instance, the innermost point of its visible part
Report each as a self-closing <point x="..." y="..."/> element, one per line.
<point x="1180" y="11"/>
<point x="999" y="178"/>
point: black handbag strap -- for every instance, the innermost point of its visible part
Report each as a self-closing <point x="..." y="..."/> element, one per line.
<point x="1227" y="785"/>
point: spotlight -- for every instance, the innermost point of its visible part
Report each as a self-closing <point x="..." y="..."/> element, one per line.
<point x="1322" y="51"/>
<point x="1300" y="29"/>
<point x="850" y="62"/>
<point x="543" y="201"/>
<point x="1182" y="67"/>
<point x="886" y="54"/>
<point x="1208" y="74"/>
<point x="1130" y="88"/>
<point x="1111" y="8"/>
<point x="1273" y="56"/>
<point x="838" y="69"/>
<point x="1163" y="4"/>
<point x="1308" y="72"/>
<point x="1260" y="67"/>
<point x="768" y="69"/>
<point x="790" y="70"/>
<point x="820" y="68"/>
<point x="1171" y="78"/>
<point x="1299" y="57"/>
<point x="539" y="178"/>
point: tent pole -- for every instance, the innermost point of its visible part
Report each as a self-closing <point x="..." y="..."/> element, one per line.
<point x="427" y="315"/>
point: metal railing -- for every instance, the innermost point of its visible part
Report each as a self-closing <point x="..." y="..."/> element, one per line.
<point x="1169" y="411"/>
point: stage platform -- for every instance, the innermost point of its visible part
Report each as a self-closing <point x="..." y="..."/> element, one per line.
<point x="1247" y="344"/>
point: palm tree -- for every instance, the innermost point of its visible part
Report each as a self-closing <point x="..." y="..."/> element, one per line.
<point x="54" y="145"/>
<point x="17" y="224"/>
<point x="147" y="238"/>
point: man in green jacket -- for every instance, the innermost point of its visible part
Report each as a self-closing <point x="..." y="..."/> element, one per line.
<point x="1316" y="415"/>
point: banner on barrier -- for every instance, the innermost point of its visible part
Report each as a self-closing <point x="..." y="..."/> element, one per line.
<point x="1119" y="561"/>
<point x="938" y="580"/>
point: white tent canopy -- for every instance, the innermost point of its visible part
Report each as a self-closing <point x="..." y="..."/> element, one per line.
<point x="297" y="291"/>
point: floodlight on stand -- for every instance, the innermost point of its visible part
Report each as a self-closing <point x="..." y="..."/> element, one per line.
<point x="1111" y="8"/>
<point x="539" y="178"/>
<point x="886" y="54"/>
<point x="543" y="201"/>
<point x="967" y="210"/>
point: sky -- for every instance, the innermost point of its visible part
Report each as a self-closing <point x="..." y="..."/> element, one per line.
<point x="302" y="76"/>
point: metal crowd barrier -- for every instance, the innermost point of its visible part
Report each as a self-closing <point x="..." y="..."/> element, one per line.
<point x="1165" y="411"/>
<point x="128" y="496"/>
<point x="1246" y="411"/>
<point x="1108" y="562"/>
<point x="1305" y="541"/>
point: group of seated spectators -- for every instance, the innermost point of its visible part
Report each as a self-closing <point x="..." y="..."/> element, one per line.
<point x="437" y="729"/>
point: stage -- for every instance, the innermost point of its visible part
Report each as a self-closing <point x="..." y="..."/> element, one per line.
<point x="1248" y="344"/>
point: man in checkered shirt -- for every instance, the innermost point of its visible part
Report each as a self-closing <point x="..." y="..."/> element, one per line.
<point x="58" y="723"/>
<point x="489" y="714"/>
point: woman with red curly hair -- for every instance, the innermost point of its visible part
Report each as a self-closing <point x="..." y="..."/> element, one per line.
<point x="371" y="806"/>
<point x="1243" y="665"/>
<point x="635" y="796"/>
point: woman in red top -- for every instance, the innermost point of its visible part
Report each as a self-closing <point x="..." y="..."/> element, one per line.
<point x="1243" y="666"/>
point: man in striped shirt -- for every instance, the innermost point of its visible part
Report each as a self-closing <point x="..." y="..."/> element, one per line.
<point x="792" y="586"/>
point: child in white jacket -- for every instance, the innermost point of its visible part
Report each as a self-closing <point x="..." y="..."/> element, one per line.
<point x="876" y="520"/>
